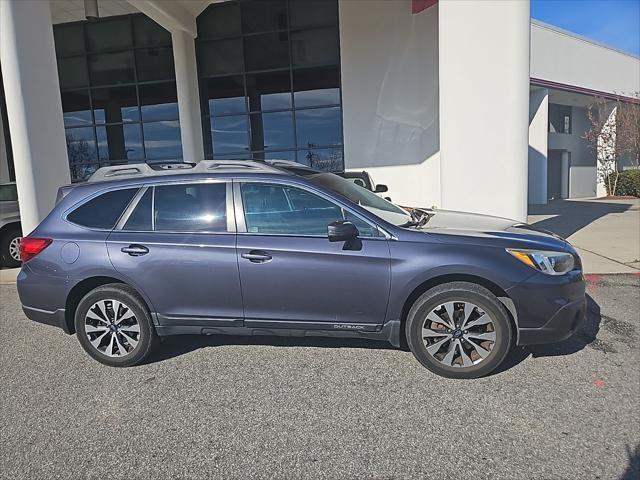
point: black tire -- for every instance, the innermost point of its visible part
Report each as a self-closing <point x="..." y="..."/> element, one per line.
<point x="146" y="337"/>
<point x="460" y="292"/>
<point x="9" y="236"/>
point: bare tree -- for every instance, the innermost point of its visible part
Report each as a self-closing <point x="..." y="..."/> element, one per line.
<point x="628" y="129"/>
<point x="614" y="133"/>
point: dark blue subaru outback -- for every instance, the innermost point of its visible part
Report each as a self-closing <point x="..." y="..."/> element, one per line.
<point x="274" y="248"/>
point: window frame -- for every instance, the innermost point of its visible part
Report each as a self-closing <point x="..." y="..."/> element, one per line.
<point x="241" y="225"/>
<point x="229" y="210"/>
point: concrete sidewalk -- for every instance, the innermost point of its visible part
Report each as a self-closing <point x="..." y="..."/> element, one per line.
<point x="606" y="233"/>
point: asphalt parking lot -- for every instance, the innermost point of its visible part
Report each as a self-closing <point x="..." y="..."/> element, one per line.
<point x="280" y="408"/>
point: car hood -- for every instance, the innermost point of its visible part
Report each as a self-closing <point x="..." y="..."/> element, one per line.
<point x="488" y="230"/>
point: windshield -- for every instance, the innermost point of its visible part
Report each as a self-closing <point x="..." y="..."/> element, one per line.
<point x="363" y="197"/>
<point x="8" y="193"/>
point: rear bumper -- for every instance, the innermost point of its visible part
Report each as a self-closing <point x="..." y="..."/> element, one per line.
<point x="55" y="318"/>
<point x="41" y="295"/>
<point x="549" y="308"/>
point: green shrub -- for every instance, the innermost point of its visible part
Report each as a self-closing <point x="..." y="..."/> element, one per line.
<point x="628" y="183"/>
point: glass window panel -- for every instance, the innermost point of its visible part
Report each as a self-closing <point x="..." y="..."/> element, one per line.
<point x="229" y="134"/>
<point x="279" y="209"/>
<point x="120" y="142"/>
<point x="364" y="229"/>
<point x="148" y="32"/>
<point x="315" y="47"/>
<point x="325" y="159"/>
<point x="104" y="210"/>
<point x="219" y="20"/>
<point x="224" y="95"/>
<point x="269" y="91"/>
<point x="265" y="52"/>
<point x="158" y="101"/>
<point x="140" y="218"/>
<point x="72" y="72"/>
<point x="191" y="208"/>
<point x="287" y="155"/>
<point x="233" y="156"/>
<point x="81" y="145"/>
<point x="155" y="64"/>
<point x="111" y="68"/>
<point x="69" y="39"/>
<point x="316" y="86"/>
<point x="115" y="104"/>
<point x="220" y="57"/>
<point x="313" y="13"/>
<point x="271" y="131"/>
<point x="162" y="140"/>
<point x="106" y="35"/>
<point x="318" y="126"/>
<point x="264" y="15"/>
<point x="82" y="171"/>
<point x="76" y="109"/>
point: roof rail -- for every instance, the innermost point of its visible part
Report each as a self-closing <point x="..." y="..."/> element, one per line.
<point x="117" y="172"/>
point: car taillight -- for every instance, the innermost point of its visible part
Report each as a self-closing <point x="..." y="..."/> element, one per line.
<point x="31" y="246"/>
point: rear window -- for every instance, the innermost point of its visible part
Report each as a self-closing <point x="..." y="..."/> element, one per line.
<point x="104" y="210"/>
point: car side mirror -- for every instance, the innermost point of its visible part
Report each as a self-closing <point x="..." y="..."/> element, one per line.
<point x="380" y="188"/>
<point x="342" y="231"/>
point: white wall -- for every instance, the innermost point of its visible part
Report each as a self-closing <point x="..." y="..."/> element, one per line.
<point x="389" y="63"/>
<point x="538" y="146"/>
<point x="484" y="106"/>
<point x="34" y="109"/>
<point x="564" y="58"/>
<point x="582" y="181"/>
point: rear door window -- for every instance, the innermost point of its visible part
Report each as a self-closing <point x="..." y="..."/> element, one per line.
<point x="190" y="208"/>
<point x="102" y="211"/>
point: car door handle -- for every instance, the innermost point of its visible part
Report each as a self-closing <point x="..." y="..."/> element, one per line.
<point x="257" y="256"/>
<point x="135" y="250"/>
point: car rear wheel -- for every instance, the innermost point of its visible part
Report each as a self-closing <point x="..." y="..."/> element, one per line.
<point x="114" y="326"/>
<point x="459" y="330"/>
<point x="10" y="247"/>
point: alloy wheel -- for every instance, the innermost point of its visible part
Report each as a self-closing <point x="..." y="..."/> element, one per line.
<point x="14" y="248"/>
<point x="112" y="328"/>
<point x="458" y="334"/>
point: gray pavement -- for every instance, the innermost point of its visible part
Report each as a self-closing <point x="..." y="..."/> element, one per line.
<point x="605" y="232"/>
<point x="281" y="408"/>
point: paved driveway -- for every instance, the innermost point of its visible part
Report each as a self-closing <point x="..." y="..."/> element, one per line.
<point x="277" y="408"/>
<point x="605" y="232"/>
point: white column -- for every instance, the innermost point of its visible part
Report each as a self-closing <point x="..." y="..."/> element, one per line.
<point x="34" y="109"/>
<point x="564" y="175"/>
<point x="4" y="161"/>
<point x="484" y="105"/>
<point x="184" y="56"/>
<point x="538" y="145"/>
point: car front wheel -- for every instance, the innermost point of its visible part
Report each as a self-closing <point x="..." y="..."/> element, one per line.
<point x="114" y="327"/>
<point x="459" y="330"/>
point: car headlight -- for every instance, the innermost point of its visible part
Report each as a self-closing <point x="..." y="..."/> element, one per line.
<point x="551" y="263"/>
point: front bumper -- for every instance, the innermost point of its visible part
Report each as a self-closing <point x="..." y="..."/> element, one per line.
<point x="549" y="308"/>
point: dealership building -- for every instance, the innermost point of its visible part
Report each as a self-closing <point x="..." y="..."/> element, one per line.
<point x="463" y="105"/>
